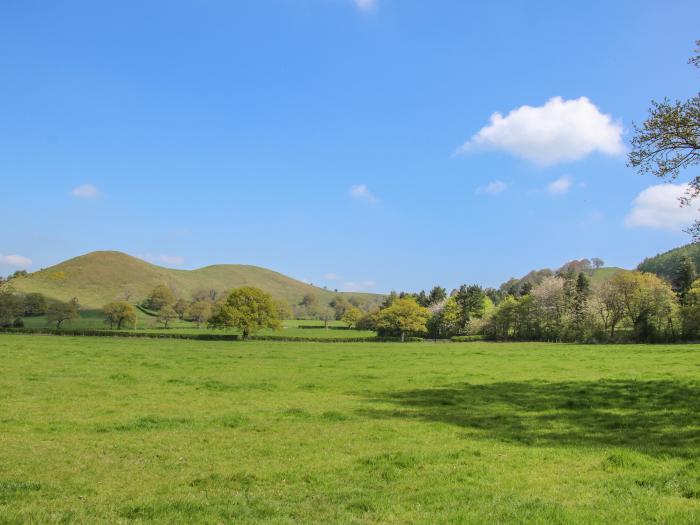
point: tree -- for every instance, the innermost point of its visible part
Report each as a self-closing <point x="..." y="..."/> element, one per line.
<point x="325" y="314"/>
<point x="119" y="313"/>
<point x="690" y="312"/>
<point x="340" y="305"/>
<point x="597" y="262"/>
<point x="580" y="305"/>
<point x="437" y="295"/>
<point x="351" y="316"/>
<point x="309" y="305"/>
<point x="445" y="321"/>
<point x="166" y="314"/>
<point x="471" y="302"/>
<point x="180" y="308"/>
<point x="283" y="310"/>
<point x="10" y="307"/>
<point x="669" y="142"/>
<point x="404" y="315"/>
<point x="648" y="302"/>
<point x="249" y="309"/>
<point x="610" y="306"/>
<point x="34" y="304"/>
<point x="160" y="297"/>
<point x="199" y="312"/>
<point x="684" y="277"/>
<point x="389" y="300"/>
<point x="58" y="312"/>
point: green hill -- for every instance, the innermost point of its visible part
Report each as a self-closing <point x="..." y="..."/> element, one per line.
<point x="665" y="264"/>
<point x="100" y="277"/>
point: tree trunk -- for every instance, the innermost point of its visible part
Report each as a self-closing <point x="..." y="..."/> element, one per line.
<point x="403" y="336"/>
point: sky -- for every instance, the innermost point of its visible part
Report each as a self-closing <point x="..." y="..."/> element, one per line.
<point x="356" y="144"/>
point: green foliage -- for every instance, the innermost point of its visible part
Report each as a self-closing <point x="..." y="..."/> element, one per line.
<point x="119" y="314"/>
<point x="467" y="338"/>
<point x="160" y="297"/>
<point x="248" y="309"/>
<point x="34" y="304"/>
<point x="352" y="316"/>
<point x="58" y="312"/>
<point x="199" y="312"/>
<point x="166" y="315"/>
<point x="11" y="307"/>
<point x="403" y="316"/>
<point x="667" y="264"/>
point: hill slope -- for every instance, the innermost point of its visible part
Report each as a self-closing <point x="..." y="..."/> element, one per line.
<point x="665" y="264"/>
<point x="100" y="277"/>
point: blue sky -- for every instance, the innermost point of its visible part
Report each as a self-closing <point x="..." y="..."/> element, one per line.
<point x="347" y="143"/>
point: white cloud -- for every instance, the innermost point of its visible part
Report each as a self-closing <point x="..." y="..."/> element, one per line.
<point x="659" y="207"/>
<point x="559" y="131"/>
<point x="492" y="188"/>
<point x="361" y="192"/>
<point x="17" y="261"/>
<point x="361" y="286"/>
<point x="365" y="5"/>
<point x="330" y="276"/>
<point x="560" y="186"/>
<point x="85" y="191"/>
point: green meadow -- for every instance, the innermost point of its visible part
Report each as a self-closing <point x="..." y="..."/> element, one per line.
<point x="102" y="430"/>
<point x="94" y="320"/>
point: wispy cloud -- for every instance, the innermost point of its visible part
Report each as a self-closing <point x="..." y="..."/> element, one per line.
<point x="366" y="5"/>
<point x="560" y="186"/>
<point x="16" y="261"/>
<point x="492" y="188"/>
<point x="360" y="286"/>
<point x="330" y="276"/>
<point x="361" y="192"/>
<point x="86" y="191"/>
<point x="559" y="131"/>
<point x="658" y="207"/>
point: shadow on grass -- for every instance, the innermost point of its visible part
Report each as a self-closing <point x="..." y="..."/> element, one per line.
<point x="654" y="417"/>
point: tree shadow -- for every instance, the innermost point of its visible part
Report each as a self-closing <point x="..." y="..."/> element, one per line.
<point x="654" y="417"/>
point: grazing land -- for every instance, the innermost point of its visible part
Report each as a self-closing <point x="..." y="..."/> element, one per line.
<point x="101" y="430"/>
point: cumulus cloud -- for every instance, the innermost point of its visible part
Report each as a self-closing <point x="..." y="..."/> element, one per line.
<point x="17" y="261"/>
<point x="361" y="192"/>
<point x="365" y="5"/>
<point x="492" y="188"/>
<point x="85" y="191"/>
<point x="559" y="131"/>
<point x="659" y="207"/>
<point x="560" y="186"/>
<point x="360" y="286"/>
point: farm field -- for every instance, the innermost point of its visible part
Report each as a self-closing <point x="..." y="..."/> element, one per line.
<point x="100" y="430"/>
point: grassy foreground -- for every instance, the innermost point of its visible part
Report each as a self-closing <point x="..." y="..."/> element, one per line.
<point x="98" y="430"/>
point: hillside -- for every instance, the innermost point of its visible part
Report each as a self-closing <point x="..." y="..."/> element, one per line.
<point x="99" y="277"/>
<point x="665" y="264"/>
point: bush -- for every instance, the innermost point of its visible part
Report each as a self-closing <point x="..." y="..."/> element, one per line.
<point x="467" y="338"/>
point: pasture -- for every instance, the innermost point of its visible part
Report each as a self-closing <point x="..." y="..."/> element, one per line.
<point x="101" y="430"/>
<point x="94" y="320"/>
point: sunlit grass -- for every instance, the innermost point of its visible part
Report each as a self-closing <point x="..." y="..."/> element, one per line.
<point x="101" y="430"/>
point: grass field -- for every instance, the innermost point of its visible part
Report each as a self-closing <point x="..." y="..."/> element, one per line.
<point x="93" y="320"/>
<point x="98" y="430"/>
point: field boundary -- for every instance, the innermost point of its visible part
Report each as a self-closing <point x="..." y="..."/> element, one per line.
<point x="202" y="337"/>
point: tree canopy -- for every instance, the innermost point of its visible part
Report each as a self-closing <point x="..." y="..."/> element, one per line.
<point x="249" y="309"/>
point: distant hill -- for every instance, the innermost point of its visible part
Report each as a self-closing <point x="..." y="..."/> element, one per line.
<point x="665" y="264"/>
<point x="100" y="277"/>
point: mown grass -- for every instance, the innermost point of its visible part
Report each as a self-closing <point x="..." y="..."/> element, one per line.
<point x="99" y="430"/>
